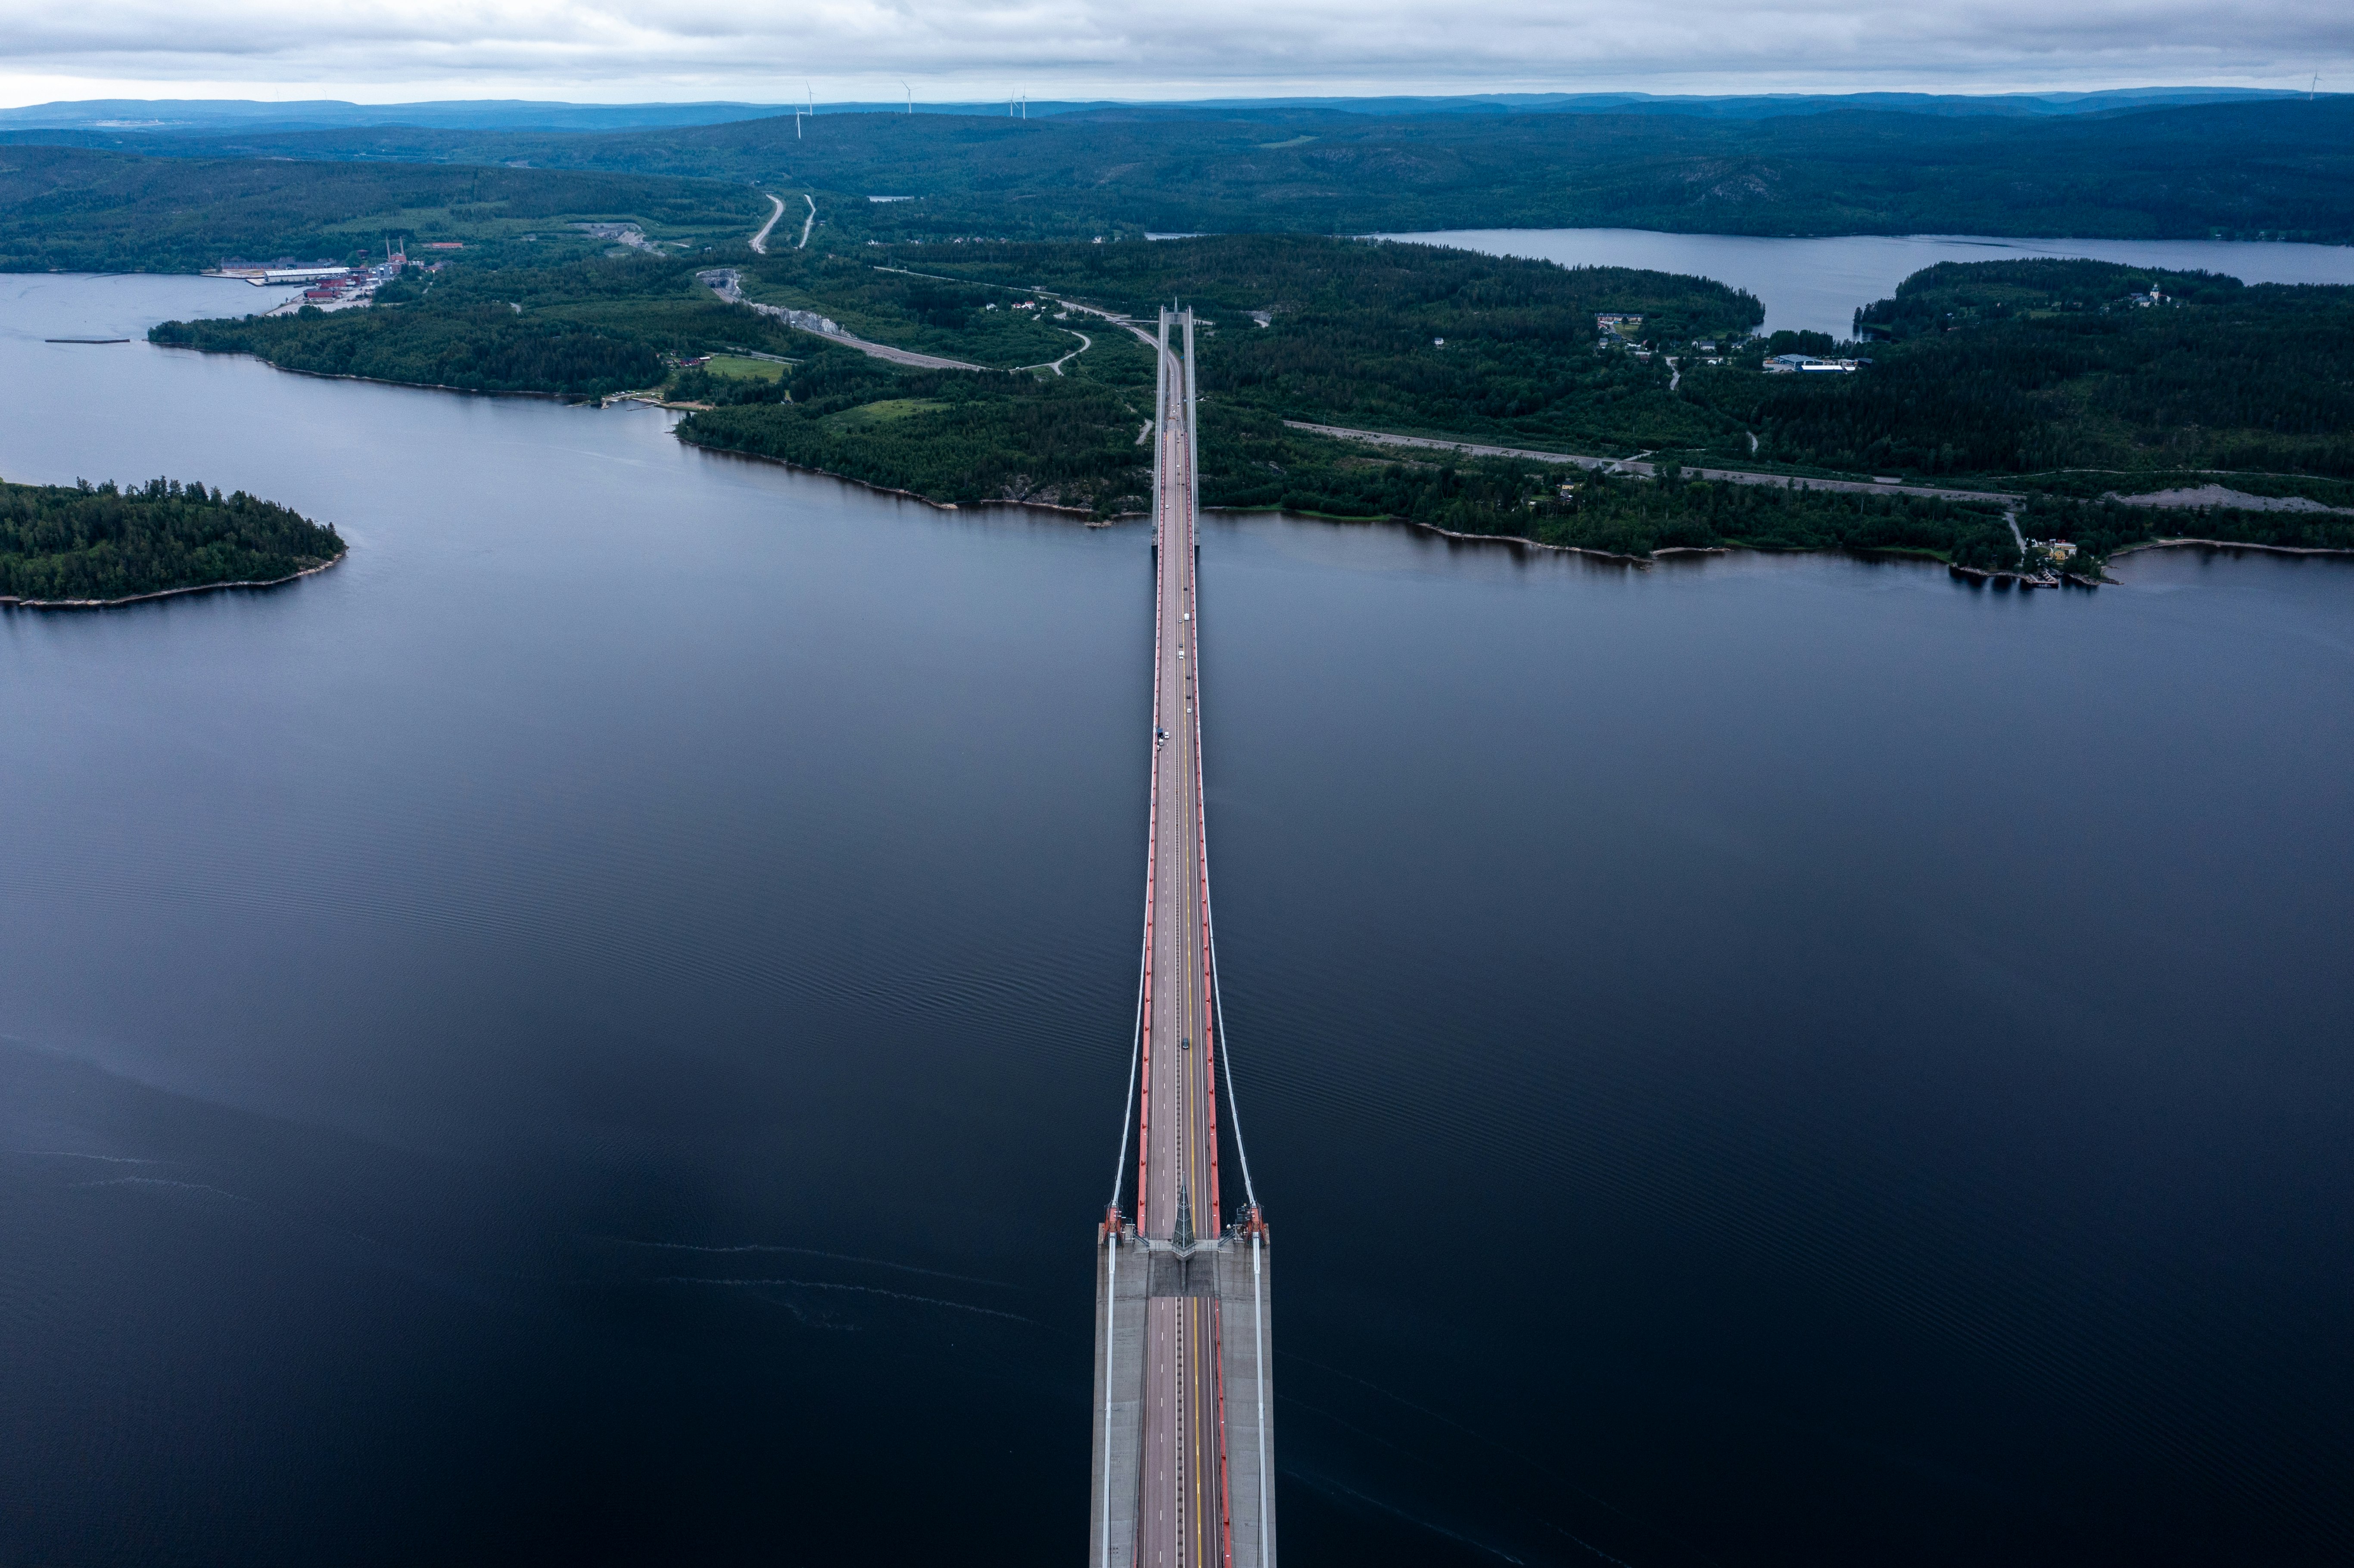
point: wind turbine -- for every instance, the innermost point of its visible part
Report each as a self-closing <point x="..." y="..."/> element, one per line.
<point x="911" y="97"/>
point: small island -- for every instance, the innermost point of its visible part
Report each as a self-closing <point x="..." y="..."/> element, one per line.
<point x="86" y="546"/>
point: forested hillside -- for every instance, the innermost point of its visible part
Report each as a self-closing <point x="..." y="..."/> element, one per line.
<point x="1254" y="460"/>
<point x="484" y="349"/>
<point x="2038" y="378"/>
<point x="952" y="435"/>
<point x="1407" y="338"/>
<point x="70" y="209"/>
<point x="964" y="438"/>
<point x="584" y="329"/>
<point x="86" y="542"/>
<point x="2273" y="169"/>
<point x="1412" y="338"/>
<point x="2028" y="367"/>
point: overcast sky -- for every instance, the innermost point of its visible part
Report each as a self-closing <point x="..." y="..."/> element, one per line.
<point x="763" y="51"/>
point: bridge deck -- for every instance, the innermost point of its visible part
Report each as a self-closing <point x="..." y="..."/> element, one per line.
<point x="1181" y="1311"/>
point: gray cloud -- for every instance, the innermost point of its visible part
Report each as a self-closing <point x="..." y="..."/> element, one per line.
<point x="757" y="49"/>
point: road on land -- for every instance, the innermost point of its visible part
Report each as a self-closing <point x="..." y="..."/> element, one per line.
<point x="760" y="240"/>
<point x="1629" y="465"/>
<point x="728" y="284"/>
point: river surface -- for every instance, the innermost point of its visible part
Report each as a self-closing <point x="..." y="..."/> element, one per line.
<point x="1817" y="285"/>
<point x="594" y="1031"/>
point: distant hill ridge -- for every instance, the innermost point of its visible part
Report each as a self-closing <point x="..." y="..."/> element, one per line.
<point x="206" y="116"/>
<point x="2279" y="167"/>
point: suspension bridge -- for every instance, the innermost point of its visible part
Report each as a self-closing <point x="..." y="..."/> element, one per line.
<point x="1183" y="1470"/>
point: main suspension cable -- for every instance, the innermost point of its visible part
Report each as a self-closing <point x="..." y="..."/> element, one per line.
<point x="1225" y="1046"/>
<point x="1136" y="1055"/>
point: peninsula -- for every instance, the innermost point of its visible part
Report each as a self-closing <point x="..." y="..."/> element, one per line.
<point x="1986" y="408"/>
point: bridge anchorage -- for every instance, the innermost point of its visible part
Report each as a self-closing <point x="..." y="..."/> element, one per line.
<point x="1183" y="1469"/>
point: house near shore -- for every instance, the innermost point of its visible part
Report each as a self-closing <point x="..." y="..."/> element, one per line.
<point x="1791" y="364"/>
<point x="282" y="275"/>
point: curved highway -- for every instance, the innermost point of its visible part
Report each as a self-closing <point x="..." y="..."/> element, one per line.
<point x="760" y="240"/>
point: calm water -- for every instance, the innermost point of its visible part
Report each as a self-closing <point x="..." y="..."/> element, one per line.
<point x="595" y="1031"/>
<point x="1817" y="285"/>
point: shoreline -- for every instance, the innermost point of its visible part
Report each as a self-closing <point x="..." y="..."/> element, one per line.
<point x="824" y="472"/>
<point x="1563" y="549"/>
<point x="1642" y="469"/>
<point x="1373" y="437"/>
<point x="2027" y="582"/>
<point x="597" y="403"/>
<point x="583" y="398"/>
<point x="13" y="603"/>
<point x="1080" y="511"/>
<point x="1653" y="559"/>
<point x="2232" y="544"/>
<point x="1087" y="512"/>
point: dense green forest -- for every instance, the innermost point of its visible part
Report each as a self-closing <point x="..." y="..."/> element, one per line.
<point x="1422" y="285"/>
<point x="960" y="438"/>
<point x="584" y="329"/>
<point x="487" y="348"/>
<point x="965" y="439"/>
<point x="2152" y="365"/>
<point x="948" y="434"/>
<point x="1251" y="460"/>
<point x="972" y="322"/>
<point x="2032" y="368"/>
<point x="2273" y="169"/>
<point x="1410" y="338"/>
<point x="86" y="542"/>
<point x="70" y="209"/>
<point x="2042" y="378"/>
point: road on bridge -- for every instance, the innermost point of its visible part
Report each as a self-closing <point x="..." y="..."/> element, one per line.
<point x="1183" y="1468"/>
<point x="1182" y="1517"/>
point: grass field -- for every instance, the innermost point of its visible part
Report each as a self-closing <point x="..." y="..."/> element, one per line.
<point x="889" y="411"/>
<point x="738" y="368"/>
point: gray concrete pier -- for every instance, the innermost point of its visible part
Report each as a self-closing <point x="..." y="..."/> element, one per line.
<point x="1121" y="1278"/>
<point x="1245" y="1273"/>
<point x="1236" y="1276"/>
